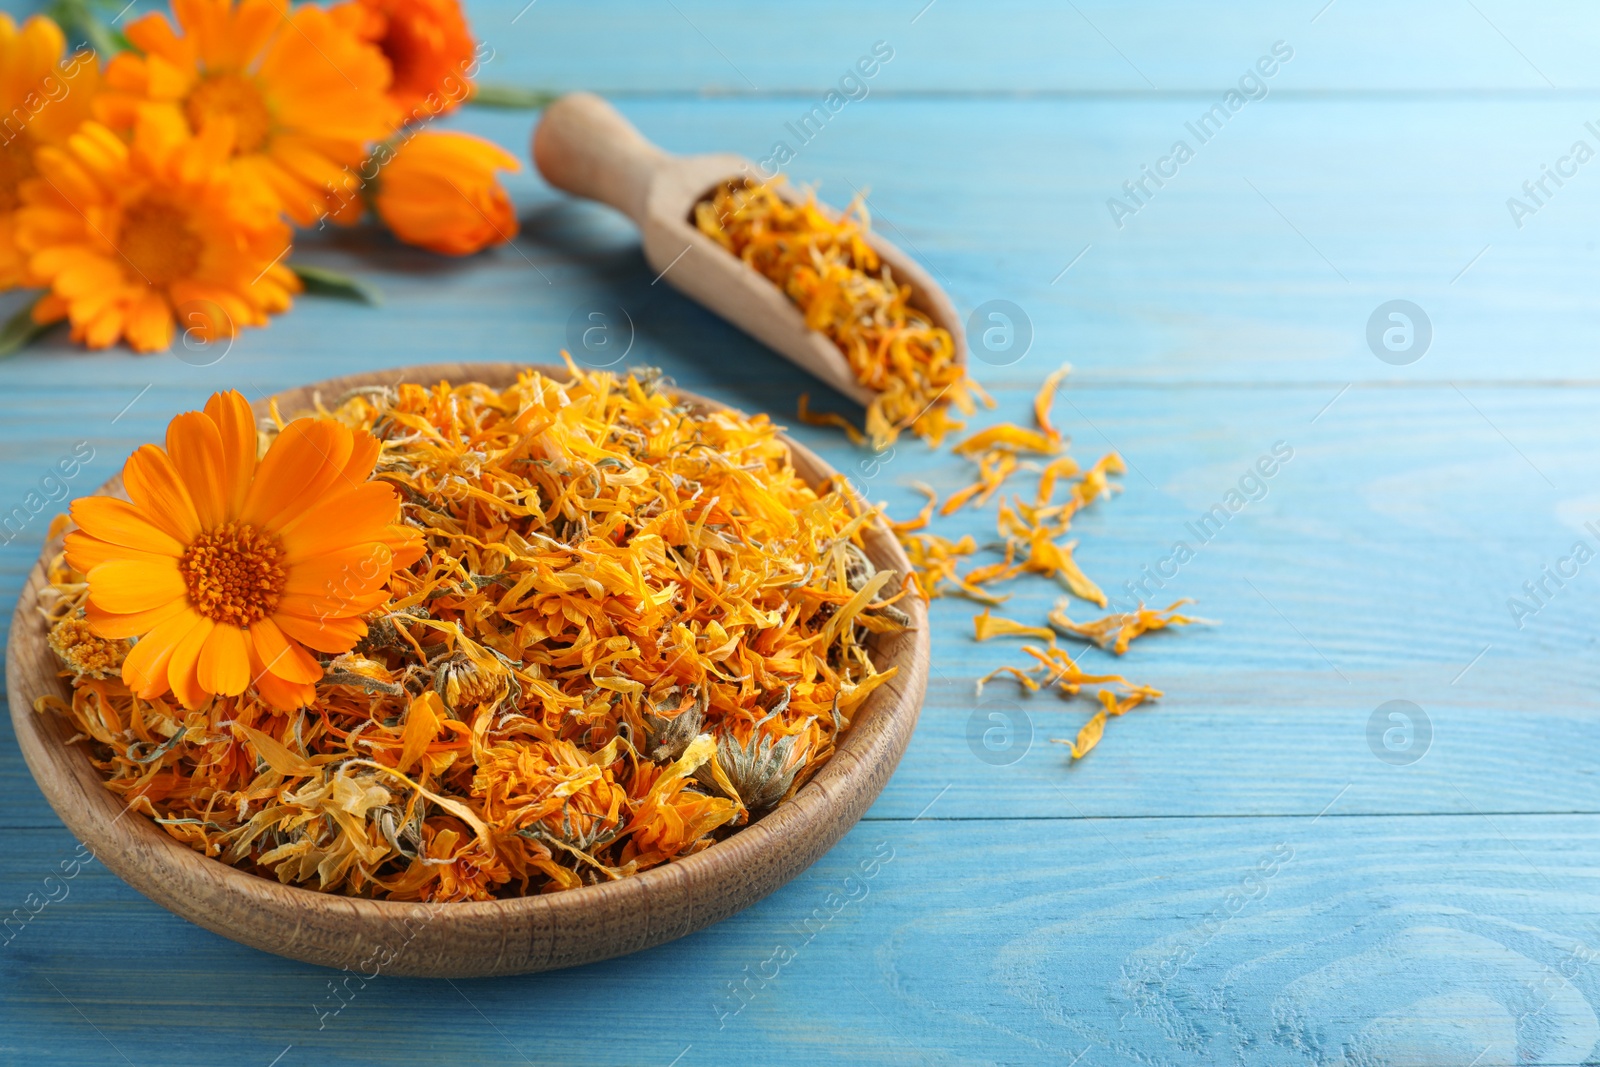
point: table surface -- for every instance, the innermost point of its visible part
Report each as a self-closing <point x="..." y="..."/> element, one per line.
<point x="1263" y="867"/>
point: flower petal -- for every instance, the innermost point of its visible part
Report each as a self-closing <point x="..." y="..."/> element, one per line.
<point x="346" y="573"/>
<point x="195" y="447"/>
<point x="134" y="624"/>
<point x="149" y="326"/>
<point x="120" y="523"/>
<point x="341" y="606"/>
<point x="121" y="586"/>
<point x="224" y="665"/>
<point x="156" y="487"/>
<point x="406" y="545"/>
<point x="364" y="452"/>
<point x="145" y="669"/>
<point x="85" y="553"/>
<point x="182" y="669"/>
<point x="281" y="694"/>
<point x="236" y="424"/>
<point x="305" y="460"/>
<point x="278" y="655"/>
<point x="350" y="516"/>
<point x="324" y="635"/>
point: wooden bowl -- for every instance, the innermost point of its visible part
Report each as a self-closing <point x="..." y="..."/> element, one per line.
<point x="534" y="933"/>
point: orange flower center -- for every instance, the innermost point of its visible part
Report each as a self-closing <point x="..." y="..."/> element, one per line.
<point x="235" y="573"/>
<point x="16" y="167"/>
<point x="157" y="240"/>
<point x="405" y="53"/>
<point x="233" y="96"/>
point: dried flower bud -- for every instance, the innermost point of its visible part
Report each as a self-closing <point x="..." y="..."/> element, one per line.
<point x="85" y="653"/>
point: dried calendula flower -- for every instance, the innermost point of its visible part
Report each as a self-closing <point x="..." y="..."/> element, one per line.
<point x="1091" y="732"/>
<point x="1117" y="630"/>
<point x="85" y="652"/>
<point x="1030" y="542"/>
<point x="1056" y="668"/>
<point x="619" y="628"/>
<point x="987" y="626"/>
<point x="825" y="264"/>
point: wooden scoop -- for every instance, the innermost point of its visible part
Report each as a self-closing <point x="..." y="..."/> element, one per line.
<point x="584" y="146"/>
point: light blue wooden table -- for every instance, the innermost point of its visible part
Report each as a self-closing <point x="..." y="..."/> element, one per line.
<point x="1264" y="868"/>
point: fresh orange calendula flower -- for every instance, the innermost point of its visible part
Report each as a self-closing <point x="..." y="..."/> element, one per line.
<point x="439" y="191"/>
<point x="428" y="45"/>
<point x="44" y="96"/>
<point x="227" y="569"/>
<point x="131" y="237"/>
<point x="303" y="93"/>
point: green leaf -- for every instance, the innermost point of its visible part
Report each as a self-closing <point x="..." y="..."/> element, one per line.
<point x="320" y="281"/>
<point x="511" y="97"/>
<point x="79" y="21"/>
<point x="20" y="331"/>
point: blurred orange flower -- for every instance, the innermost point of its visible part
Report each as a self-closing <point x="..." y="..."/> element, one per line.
<point x="303" y="94"/>
<point x="428" y="45"/>
<point x="43" y="99"/>
<point x="129" y="237"/>
<point x="227" y="569"/>
<point x="439" y="191"/>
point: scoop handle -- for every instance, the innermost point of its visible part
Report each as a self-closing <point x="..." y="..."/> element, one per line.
<point x="584" y="146"/>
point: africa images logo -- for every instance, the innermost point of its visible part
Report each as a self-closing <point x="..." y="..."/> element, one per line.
<point x="1252" y="85"/>
<point x="1253" y="486"/>
<point x="852" y="85"/>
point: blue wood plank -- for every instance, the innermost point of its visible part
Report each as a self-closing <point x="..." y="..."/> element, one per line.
<point x="1384" y="940"/>
<point x="1263" y="261"/>
<point x="1030" y="46"/>
<point x="1027" y="46"/>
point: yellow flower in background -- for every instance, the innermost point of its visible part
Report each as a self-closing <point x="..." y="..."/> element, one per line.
<point x="44" y="96"/>
<point x="147" y="197"/>
<point x="439" y="191"/>
<point x="303" y="94"/>
<point x="227" y="569"/>
<point x="428" y="45"/>
<point x="131" y="237"/>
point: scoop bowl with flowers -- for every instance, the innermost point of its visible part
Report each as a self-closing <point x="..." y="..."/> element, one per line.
<point x="471" y="670"/>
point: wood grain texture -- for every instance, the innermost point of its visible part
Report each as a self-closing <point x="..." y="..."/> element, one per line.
<point x="1196" y="941"/>
<point x="1209" y="283"/>
<point x="511" y="936"/>
<point x="1028" y="47"/>
<point x="1021" y="47"/>
<point x="1437" y="913"/>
